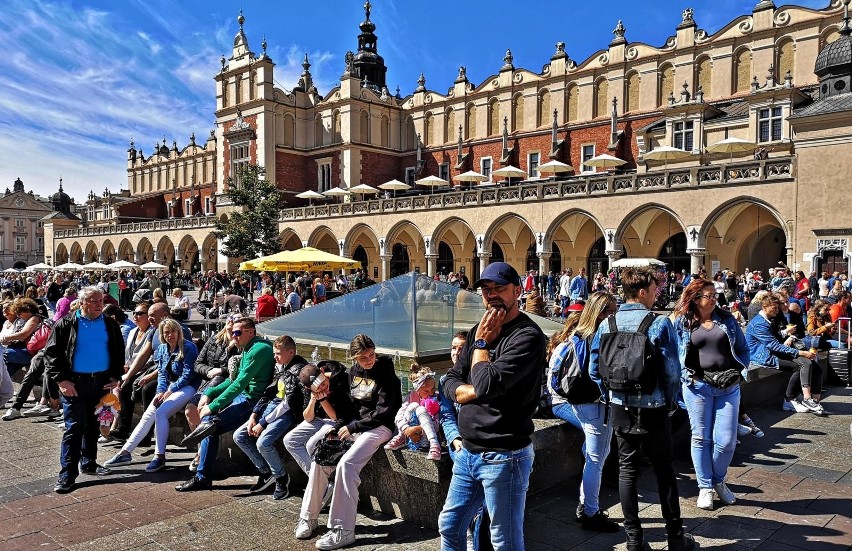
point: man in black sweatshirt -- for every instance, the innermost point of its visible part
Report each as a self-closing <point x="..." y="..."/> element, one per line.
<point x="497" y="381"/>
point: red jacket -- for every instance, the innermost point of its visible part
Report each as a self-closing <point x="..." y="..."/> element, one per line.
<point x="267" y="307"/>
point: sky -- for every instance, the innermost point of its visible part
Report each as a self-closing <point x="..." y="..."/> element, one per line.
<point x="80" y="79"/>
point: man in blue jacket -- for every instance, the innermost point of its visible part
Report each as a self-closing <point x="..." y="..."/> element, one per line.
<point x="642" y="422"/>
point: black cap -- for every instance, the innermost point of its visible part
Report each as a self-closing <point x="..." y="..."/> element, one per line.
<point x="500" y="273"/>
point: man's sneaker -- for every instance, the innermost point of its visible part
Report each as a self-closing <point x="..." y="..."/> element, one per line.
<point x="121" y="458"/>
<point x="104" y="439"/>
<point x="282" y="487"/>
<point x="813" y="406"/>
<point x="12" y="413"/>
<point x="795" y="406"/>
<point x="397" y="442"/>
<point x="37" y="410"/>
<point x="705" y="499"/>
<point x="156" y="464"/>
<point x="335" y="539"/>
<point x="434" y="453"/>
<point x="63" y="486"/>
<point x="580" y="512"/>
<point x="95" y="469"/>
<point x="753" y="429"/>
<point x="599" y="522"/>
<point x="264" y="481"/>
<point x="682" y="543"/>
<point x="305" y="528"/>
<point x="327" y="495"/>
<point x="725" y="494"/>
<point x="742" y="430"/>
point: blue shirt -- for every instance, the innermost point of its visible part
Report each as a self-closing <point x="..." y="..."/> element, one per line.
<point x="91" y="352"/>
<point x="180" y="372"/>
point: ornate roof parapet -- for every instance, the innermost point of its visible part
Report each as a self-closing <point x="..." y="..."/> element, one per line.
<point x="618" y="32"/>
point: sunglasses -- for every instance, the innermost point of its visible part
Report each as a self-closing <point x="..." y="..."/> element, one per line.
<point x="709" y="297"/>
<point x="237" y="332"/>
<point x="140" y="313"/>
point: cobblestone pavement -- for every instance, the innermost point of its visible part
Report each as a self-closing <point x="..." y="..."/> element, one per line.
<point x="794" y="490"/>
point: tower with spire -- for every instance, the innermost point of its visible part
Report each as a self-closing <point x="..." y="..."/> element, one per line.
<point x="367" y="65"/>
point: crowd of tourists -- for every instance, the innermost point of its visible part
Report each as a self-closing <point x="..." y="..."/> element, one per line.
<point x="616" y="368"/>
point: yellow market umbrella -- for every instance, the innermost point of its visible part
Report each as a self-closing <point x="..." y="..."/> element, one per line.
<point x="308" y="259"/>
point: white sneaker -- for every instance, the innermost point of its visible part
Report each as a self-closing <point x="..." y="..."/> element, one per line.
<point x="37" y="410"/>
<point x="742" y="430"/>
<point x="305" y="528"/>
<point x="12" y="413"/>
<point x="725" y="494"/>
<point x="705" y="499"/>
<point x="795" y="406"/>
<point x="813" y="406"/>
<point x="335" y="539"/>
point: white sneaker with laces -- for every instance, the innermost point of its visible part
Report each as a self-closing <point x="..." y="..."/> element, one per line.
<point x="795" y="406"/>
<point x="335" y="539"/>
<point x="812" y="406"/>
<point x="305" y="528"/>
<point x="705" y="499"/>
<point x="37" y="410"/>
<point x="12" y="413"/>
<point x="725" y="494"/>
<point x="742" y="430"/>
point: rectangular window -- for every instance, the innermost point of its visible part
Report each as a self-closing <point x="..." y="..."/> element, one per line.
<point x="20" y="243"/>
<point x="40" y="243"/>
<point x="532" y="164"/>
<point x="239" y="161"/>
<point x="409" y="175"/>
<point x="106" y="212"/>
<point x="485" y="167"/>
<point x="682" y="133"/>
<point x="444" y="171"/>
<point x="586" y="153"/>
<point x="324" y="177"/>
<point x="19" y="222"/>
<point x="769" y="124"/>
<point x="187" y="207"/>
<point x="208" y="205"/>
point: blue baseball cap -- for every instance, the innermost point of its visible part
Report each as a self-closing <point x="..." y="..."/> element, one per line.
<point x="500" y="273"/>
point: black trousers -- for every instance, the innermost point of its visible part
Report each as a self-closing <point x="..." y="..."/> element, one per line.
<point x="80" y="440"/>
<point x="33" y="378"/>
<point x="806" y="373"/>
<point x="656" y="445"/>
<point x="125" y="396"/>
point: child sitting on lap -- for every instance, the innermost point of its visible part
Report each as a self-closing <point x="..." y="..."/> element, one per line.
<point x="415" y="420"/>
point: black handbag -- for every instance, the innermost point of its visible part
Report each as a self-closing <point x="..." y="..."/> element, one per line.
<point x="330" y="449"/>
<point x="722" y="379"/>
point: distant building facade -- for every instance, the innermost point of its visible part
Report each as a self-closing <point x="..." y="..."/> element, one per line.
<point x="776" y="77"/>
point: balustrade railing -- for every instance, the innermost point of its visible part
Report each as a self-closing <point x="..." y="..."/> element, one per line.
<point x="137" y="227"/>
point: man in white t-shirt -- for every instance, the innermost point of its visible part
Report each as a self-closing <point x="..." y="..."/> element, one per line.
<point x="565" y="287"/>
<point x="824" y="288"/>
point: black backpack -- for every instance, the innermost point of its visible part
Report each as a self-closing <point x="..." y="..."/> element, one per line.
<point x="572" y="380"/>
<point x="628" y="361"/>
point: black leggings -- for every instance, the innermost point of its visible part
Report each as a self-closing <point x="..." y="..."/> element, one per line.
<point x="35" y="376"/>
<point x="806" y="373"/>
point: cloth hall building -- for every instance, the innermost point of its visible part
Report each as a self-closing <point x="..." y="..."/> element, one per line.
<point x="779" y="77"/>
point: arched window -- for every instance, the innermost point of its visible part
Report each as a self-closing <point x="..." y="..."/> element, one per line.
<point x="385" y="138"/>
<point x="450" y="126"/>
<point x="497" y="253"/>
<point x="470" y="122"/>
<point x="494" y="125"/>
<point x="518" y="113"/>
<point x="631" y="92"/>
<point x="429" y="123"/>
<point x="601" y="98"/>
<point x="572" y="103"/>
<point x="666" y="87"/>
<point x="543" y="111"/>
<point x="361" y="256"/>
<point x="446" y="259"/>
<point x="364" y="126"/>
<point x="289" y="131"/>
<point x="319" y="131"/>
<point x="742" y="71"/>
<point x="410" y="134"/>
<point x="786" y="60"/>
<point x="704" y="76"/>
<point x="399" y="263"/>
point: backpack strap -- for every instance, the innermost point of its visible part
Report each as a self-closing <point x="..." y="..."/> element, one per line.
<point x="611" y="321"/>
<point x="646" y="323"/>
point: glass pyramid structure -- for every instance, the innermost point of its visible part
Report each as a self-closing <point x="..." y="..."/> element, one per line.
<point x="410" y="315"/>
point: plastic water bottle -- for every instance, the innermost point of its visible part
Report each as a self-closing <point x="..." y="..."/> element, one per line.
<point x="315" y="357"/>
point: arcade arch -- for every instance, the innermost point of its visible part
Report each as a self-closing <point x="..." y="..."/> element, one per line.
<point x="644" y="231"/>
<point x="407" y="249"/>
<point x="61" y="255"/>
<point x="324" y="239"/>
<point x="125" y="251"/>
<point x="455" y="244"/>
<point x="187" y="255"/>
<point x="744" y="233"/>
<point x="144" y="251"/>
<point x="91" y="253"/>
<point x="572" y="237"/>
<point x="211" y="248"/>
<point x="166" y="252"/>
<point x="362" y="245"/>
<point x="108" y="252"/>
<point x="290" y="241"/>
<point x="514" y="239"/>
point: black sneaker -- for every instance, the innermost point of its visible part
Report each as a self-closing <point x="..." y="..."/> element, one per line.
<point x="63" y="486"/>
<point x="195" y="484"/>
<point x="264" y="481"/>
<point x="682" y="543"/>
<point x="599" y="522"/>
<point x="95" y="469"/>
<point x="282" y="487"/>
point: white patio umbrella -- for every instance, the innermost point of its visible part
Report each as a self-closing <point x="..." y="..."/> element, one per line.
<point x="554" y="167"/>
<point x="394" y="186"/>
<point x="432" y="182"/>
<point x="605" y="161"/>
<point x="95" y="266"/>
<point x="40" y="267"/>
<point x="471" y="176"/>
<point x="363" y="189"/>
<point x="122" y="265"/>
<point x="152" y="266"/>
<point x="310" y="195"/>
<point x="11" y="271"/>
<point x="667" y="153"/>
<point x="510" y="172"/>
<point x="731" y="146"/>
<point x="336" y="192"/>
<point x="69" y="267"/>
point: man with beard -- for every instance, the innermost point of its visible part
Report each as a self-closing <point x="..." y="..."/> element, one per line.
<point x="496" y="380"/>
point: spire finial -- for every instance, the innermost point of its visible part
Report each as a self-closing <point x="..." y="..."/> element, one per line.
<point x="367" y="7"/>
<point x="60" y="183"/>
<point x="306" y="64"/>
<point x="263" y="44"/>
<point x="845" y="28"/>
<point x="241" y="19"/>
<point x="421" y="83"/>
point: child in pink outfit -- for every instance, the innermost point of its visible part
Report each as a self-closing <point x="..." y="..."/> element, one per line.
<point x="416" y="419"/>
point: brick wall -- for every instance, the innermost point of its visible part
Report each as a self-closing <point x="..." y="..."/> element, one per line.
<point x="295" y="173"/>
<point x="378" y="168"/>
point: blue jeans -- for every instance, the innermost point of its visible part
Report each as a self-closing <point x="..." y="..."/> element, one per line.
<point x="82" y="429"/>
<point x="16" y="358"/>
<point x="476" y="524"/>
<point x="229" y="419"/>
<point x="502" y="480"/>
<point x="566" y="412"/>
<point x="713" y="415"/>
<point x="261" y="450"/>
<point x="595" y="450"/>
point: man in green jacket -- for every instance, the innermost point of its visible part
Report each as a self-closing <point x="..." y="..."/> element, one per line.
<point x="229" y="404"/>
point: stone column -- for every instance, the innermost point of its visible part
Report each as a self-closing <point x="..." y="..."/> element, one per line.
<point x="696" y="259"/>
<point x="543" y="264"/>
<point x="431" y="264"/>
<point x="613" y="256"/>
<point x="790" y="260"/>
<point x="483" y="260"/>
<point x="385" y="271"/>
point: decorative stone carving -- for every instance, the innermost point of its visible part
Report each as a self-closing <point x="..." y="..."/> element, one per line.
<point x="782" y="19"/>
<point x="686" y="15"/>
<point x="462" y="74"/>
<point x="746" y="26"/>
<point x="560" y="51"/>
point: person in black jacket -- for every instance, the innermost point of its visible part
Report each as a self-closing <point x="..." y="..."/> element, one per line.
<point x="376" y="393"/>
<point x="85" y="357"/>
<point x="497" y="381"/>
<point x="275" y="413"/>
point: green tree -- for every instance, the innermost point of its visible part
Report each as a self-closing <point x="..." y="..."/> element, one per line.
<point x="253" y="230"/>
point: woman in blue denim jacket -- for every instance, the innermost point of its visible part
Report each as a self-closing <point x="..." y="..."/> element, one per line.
<point x="710" y="344"/>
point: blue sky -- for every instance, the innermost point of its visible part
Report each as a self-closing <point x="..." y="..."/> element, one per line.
<point x="80" y="78"/>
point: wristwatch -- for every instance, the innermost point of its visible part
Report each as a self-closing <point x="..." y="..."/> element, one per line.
<point x="480" y="344"/>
